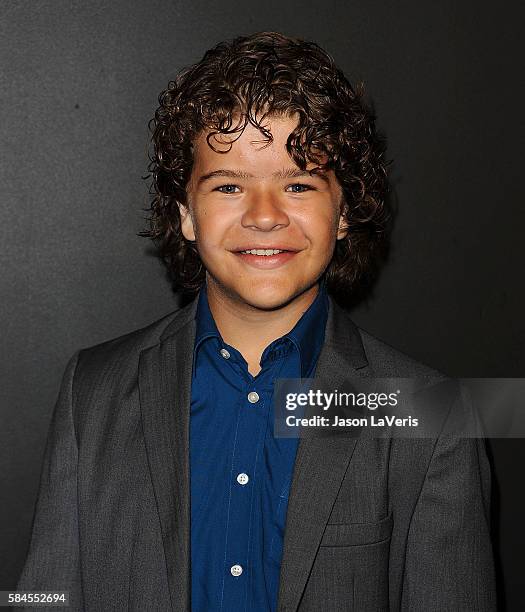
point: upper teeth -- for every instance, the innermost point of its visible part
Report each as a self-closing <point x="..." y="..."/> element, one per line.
<point x="263" y="251"/>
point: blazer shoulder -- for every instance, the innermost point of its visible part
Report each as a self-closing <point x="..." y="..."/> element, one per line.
<point x="385" y="360"/>
<point x="122" y="352"/>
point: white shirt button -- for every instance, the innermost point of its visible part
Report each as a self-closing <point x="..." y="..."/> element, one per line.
<point x="253" y="397"/>
<point x="225" y="353"/>
<point x="236" y="570"/>
<point x="242" y="479"/>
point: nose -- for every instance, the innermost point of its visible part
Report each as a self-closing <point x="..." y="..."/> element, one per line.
<point x="264" y="212"/>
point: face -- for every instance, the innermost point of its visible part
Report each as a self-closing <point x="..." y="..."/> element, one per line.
<point x="256" y="197"/>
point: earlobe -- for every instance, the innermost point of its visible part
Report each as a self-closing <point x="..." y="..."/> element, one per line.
<point x="188" y="231"/>
<point x="342" y="229"/>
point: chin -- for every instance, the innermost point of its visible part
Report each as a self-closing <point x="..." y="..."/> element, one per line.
<point x="268" y="298"/>
<point x="266" y="303"/>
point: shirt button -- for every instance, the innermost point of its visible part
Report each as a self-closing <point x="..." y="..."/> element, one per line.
<point x="236" y="570"/>
<point x="253" y="397"/>
<point x="242" y="479"/>
<point x="225" y="353"/>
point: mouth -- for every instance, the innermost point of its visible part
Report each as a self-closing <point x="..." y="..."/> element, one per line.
<point x="265" y="258"/>
<point x="266" y="252"/>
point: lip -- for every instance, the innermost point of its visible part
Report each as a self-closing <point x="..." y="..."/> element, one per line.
<point x="266" y="262"/>
<point x="277" y="247"/>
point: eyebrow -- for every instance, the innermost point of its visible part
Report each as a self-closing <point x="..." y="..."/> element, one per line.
<point x="280" y="174"/>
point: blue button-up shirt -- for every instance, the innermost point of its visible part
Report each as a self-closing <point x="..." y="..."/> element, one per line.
<point x="240" y="474"/>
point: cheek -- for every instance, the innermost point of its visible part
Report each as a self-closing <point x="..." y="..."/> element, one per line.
<point x="319" y="227"/>
<point x="209" y="228"/>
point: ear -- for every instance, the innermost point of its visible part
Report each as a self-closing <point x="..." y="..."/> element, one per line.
<point x="188" y="230"/>
<point x="342" y="229"/>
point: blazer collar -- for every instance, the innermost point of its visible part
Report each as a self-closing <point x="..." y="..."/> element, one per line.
<point x="181" y="318"/>
<point x="343" y="338"/>
<point x="165" y="396"/>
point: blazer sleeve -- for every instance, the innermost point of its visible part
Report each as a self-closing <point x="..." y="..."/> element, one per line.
<point x="53" y="562"/>
<point x="449" y="559"/>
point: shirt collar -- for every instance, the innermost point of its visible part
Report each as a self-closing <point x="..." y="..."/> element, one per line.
<point x="205" y="323"/>
<point x="307" y="335"/>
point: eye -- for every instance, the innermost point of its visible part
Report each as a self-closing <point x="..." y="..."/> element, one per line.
<point x="227" y="188"/>
<point x="299" y="188"/>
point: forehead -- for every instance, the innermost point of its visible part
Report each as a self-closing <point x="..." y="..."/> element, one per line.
<point x="249" y="146"/>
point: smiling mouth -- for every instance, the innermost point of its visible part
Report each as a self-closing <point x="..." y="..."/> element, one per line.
<point x="264" y="252"/>
<point x="265" y="259"/>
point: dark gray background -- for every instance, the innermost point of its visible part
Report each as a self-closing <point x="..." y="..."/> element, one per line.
<point x="79" y="82"/>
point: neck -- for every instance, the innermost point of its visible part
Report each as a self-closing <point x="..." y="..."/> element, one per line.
<point x="250" y="329"/>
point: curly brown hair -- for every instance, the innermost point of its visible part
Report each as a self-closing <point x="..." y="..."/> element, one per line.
<point x="253" y="77"/>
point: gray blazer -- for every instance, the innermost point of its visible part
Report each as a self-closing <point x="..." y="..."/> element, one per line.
<point x="372" y="524"/>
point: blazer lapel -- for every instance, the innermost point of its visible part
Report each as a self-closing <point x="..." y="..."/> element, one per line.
<point x="165" y="386"/>
<point x="320" y="465"/>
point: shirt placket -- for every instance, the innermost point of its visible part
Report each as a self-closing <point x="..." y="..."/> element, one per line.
<point x="244" y="479"/>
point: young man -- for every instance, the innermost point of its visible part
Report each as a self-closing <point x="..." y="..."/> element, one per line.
<point x="164" y="487"/>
